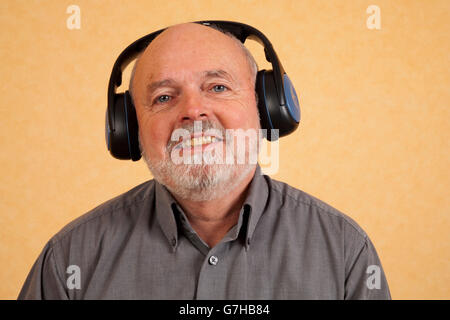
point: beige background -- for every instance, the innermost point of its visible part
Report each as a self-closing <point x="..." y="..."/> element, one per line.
<point x="373" y="142"/>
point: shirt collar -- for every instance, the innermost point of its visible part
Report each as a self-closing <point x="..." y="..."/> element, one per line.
<point x="164" y="203"/>
<point x="257" y="198"/>
<point x="254" y="205"/>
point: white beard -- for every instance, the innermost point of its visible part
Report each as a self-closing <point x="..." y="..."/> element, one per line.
<point x="199" y="182"/>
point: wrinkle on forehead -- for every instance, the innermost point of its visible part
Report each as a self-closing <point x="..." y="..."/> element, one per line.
<point x="186" y="40"/>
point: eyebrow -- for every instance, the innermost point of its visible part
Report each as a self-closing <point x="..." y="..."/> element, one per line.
<point x="218" y="74"/>
<point x="157" y="84"/>
<point x="151" y="87"/>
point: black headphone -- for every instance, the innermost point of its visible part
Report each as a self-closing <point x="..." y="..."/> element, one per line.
<point x="277" y="100"/>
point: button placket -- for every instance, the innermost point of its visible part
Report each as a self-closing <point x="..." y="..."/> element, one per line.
<point x="212" y="271"/>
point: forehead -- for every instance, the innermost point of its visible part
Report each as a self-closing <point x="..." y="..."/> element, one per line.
<point x="191" y="48"/>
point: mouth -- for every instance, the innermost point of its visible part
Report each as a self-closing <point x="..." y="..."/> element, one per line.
<point x="197" y="142"/>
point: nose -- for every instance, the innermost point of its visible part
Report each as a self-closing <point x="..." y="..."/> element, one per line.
<point x="192" y="107"/>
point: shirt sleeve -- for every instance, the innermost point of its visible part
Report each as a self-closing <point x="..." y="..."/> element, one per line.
<point x="365" y="279"/>
<point x="44" y="282"/>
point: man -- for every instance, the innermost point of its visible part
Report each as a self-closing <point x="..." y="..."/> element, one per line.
<point x="205" y="230"/>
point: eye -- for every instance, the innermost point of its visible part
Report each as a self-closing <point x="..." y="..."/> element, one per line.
<point x="162" y="99"/>
<point x="219" y="88"/>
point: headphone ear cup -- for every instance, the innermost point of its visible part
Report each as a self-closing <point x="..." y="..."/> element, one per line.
<point x="123" y="142"/>
<point x="267" y="102"/>
<point x="284" y="118"/>
<point x="132" y="128"/>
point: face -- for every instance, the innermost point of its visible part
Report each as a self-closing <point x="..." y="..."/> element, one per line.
<point x="192" y="73"/>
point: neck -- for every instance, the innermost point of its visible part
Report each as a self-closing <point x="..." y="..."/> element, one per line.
<point x="212" y="219"/>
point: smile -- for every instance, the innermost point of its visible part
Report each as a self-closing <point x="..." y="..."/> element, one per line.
<point x="197" y="142"/>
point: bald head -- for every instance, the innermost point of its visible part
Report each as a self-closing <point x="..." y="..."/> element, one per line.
<point x="175" y="39"/>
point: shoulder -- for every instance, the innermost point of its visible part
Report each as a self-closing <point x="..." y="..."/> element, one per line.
<point x="118" y="210"/>
<point x="308" y="208"/>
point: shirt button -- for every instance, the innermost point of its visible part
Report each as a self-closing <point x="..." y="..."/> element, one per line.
<point x="213" y="260"/>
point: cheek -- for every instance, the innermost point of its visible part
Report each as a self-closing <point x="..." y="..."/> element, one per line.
<point x="154" y="136"/>
<point x="242" y="115"/>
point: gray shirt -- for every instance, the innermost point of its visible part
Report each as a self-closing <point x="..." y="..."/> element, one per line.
<point x="287" y="244"/>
